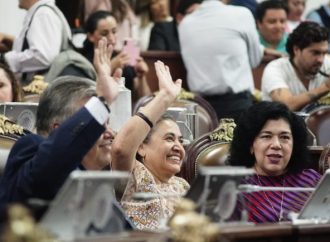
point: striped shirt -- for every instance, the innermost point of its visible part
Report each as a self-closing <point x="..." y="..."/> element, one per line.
<point x="268" y="206"/>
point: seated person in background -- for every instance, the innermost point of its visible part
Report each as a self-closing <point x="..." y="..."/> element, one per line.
<point x="320" y="15"/>
<point x="40" y="39"/>
<point x="296" y="10"/>
<point x="151" y="12"/>
<point x="123" y="13"/>
<point x="10" y="88"/>
<point x="103" y="24"/>
<point x="156" y="141"/>
<point x="164" y="34"/>
<point x="271" y="17"/>
<point x="273" y="141"/>
<point x="72" y="134"/>
<point x="301" y="78"/>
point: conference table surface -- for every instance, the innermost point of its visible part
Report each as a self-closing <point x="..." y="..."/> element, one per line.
<point x="281" y="232"/>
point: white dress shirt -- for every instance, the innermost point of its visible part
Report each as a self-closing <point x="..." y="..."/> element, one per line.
<point x="219" y="46"/>
<point x="44" y="37"/>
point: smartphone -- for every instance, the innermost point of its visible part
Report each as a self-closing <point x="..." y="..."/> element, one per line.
<point x="133" y="51"/>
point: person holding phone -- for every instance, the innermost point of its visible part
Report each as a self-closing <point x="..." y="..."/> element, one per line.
<point x="103" y="24"/>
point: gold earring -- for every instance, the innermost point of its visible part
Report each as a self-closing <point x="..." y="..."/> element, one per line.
<point x="143" y="158"/>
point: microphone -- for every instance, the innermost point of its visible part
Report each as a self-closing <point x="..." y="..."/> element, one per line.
<point x="305" y="115"/>
<point x="256" y="188"/>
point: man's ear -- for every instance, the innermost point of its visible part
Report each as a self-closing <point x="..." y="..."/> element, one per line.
<point x="295" y="49"/>
<point x="54" y="126"/>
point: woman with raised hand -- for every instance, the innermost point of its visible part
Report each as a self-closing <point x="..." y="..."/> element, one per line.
<point x="150" y="146"/>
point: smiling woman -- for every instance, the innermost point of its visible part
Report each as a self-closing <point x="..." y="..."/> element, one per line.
<point x="156" y="142"/>
<point x="273" y="140"/>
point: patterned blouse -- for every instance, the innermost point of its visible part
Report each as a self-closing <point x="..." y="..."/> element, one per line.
<point x="274" y="206"/>
<point x="152" y="213"/>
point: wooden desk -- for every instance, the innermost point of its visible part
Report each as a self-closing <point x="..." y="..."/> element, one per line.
<point x="284" y="232"/>
<point x="312" y="232"/>
<point x="136" y="236"/>
<point x="258" y="233"/>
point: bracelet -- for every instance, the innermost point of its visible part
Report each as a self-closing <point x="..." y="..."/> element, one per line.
<point x="102" y="99"/>
<point x="145" y="118"/>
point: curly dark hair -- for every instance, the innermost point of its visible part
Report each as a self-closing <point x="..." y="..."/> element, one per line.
<point x="251" y="122"/>
<point x="306" y="34"/>
<point x="269" y="4"/>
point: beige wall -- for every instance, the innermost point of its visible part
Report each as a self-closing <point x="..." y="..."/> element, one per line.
<point x="11" y="17"/>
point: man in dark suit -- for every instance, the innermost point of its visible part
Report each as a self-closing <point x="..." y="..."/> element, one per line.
<point x="72" y="134"/>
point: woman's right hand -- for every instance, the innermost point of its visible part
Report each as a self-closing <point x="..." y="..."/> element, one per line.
<point x="107" y="85"/>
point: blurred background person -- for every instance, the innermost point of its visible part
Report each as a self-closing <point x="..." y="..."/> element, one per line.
<point x="302" y="77"/>
<point x="296" y="10"/>
<point x="271" y="17"/>
<point x="10" y="88"/>
<point x="320" y="15"/>
<point x="40" y="39"/>
<point x="273" y="141"/>
<point x="164" y="35"/>
<point x="123" y="13"/>
<point x="103" y="24"/>
<point x="219" y="55"/>
<point x="151" y="12"/>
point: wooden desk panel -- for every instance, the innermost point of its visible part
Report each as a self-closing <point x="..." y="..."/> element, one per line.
<point x="284" y="232"/>
<point x="172" y="59"/>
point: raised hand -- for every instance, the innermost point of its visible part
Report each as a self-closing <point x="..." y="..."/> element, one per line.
<point x="165" y="80"/>
<point x="106" y="85"/>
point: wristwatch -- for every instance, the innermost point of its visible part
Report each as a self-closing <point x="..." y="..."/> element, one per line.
<point x="105" y="103"/>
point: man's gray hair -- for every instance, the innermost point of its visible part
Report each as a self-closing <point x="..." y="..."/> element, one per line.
<point x="61" y="99"/>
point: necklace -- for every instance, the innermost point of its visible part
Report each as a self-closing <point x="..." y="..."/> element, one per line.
<point x="280" y="214"/>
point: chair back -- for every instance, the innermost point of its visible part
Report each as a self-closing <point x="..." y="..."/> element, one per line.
<point x="324" y="161"/>
<point x="207" y="119"/>
<point x="211" y="149"/>
<point x="318" y="122"/>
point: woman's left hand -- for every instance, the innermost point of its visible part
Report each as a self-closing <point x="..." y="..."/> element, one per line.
<point x="165" y="81"/>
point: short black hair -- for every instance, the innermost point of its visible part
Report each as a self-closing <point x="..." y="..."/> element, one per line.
<point x="91" y="23"/>
<point x="306" y="34"/>
<point x="269" y="4"/>
<point x="251" y="122"/>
